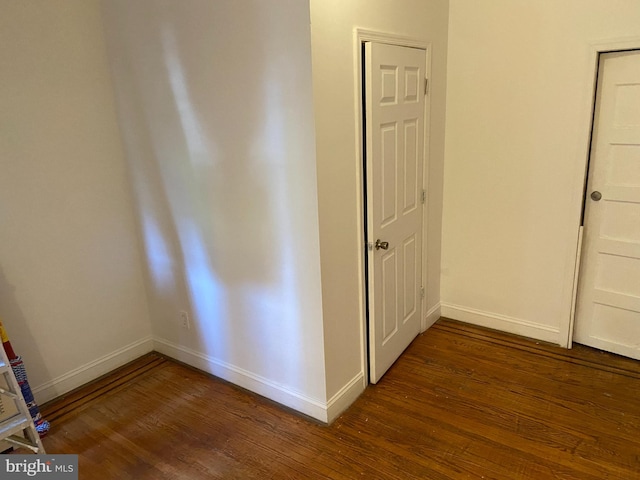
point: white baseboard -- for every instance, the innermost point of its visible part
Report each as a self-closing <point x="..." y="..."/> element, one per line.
<point x="345" y="397"/>
<point x="325" y="412"/>
<point x="92" y="370"/>
<point x="432" y="316"/>
<point x="243" y="378"/>
<point x="501" y="322"/>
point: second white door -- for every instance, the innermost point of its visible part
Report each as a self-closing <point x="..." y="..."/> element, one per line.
<point x="394" y="116"/>
<point x="608" y="309"/>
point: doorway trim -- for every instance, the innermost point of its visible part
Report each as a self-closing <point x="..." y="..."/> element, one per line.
<point x="565" y="336"/>
<point x="360" y="36"/>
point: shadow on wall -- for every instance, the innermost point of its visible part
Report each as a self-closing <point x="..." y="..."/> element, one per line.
<point x="204" y="106"/>
<point x="17" y="326"/>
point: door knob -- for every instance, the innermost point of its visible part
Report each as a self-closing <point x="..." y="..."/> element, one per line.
<point x="596" y="196"/>
<point x="381" y="245"/>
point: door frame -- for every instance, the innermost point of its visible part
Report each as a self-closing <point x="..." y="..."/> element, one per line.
<point x="360" y="36"/>
<point x="565" y="336"/>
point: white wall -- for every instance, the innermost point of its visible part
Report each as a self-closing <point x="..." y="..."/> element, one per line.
<point x="215" y="105"/>
<point x="518" y="111"/>
<point x="339" y="170"/>
<point x="72" y="293"/>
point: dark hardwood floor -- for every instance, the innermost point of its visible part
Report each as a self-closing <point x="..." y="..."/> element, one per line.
<point x="462" y="402"/>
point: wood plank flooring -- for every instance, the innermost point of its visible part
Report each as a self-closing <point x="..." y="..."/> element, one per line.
<point x="462" y="402"/>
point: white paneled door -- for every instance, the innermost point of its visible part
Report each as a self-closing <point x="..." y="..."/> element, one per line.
<point x="608" y="310"/>
<point x="394" y="117"/>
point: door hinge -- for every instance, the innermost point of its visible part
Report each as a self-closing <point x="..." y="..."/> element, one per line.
<point x="421" y="292"/>
<point x="424" y="196"/>
<point x="426" y="86"/>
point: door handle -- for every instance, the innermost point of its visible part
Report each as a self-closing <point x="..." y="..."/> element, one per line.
<point x="596" y="196"/>
<point x="381" y="245"/>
